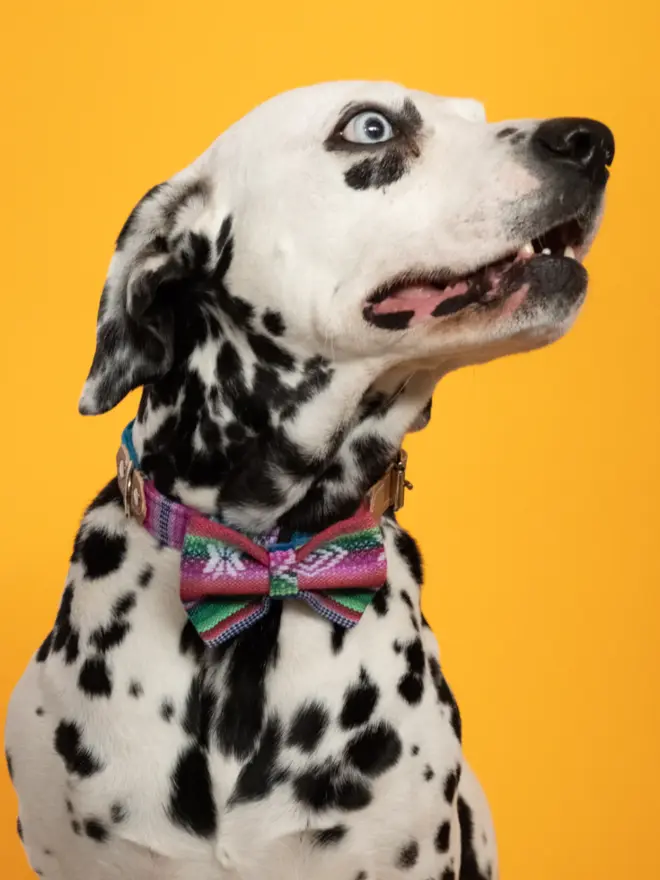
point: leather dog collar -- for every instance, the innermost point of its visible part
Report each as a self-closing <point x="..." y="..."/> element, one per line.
<point x="388" y="493"/>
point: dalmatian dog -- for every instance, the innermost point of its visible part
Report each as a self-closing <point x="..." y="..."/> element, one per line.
<point x="288" y="304"/>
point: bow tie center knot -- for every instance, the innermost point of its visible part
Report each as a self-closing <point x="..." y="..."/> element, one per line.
<point x="282" y="571"/>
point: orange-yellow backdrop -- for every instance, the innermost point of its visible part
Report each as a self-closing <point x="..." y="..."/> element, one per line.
<point x="537" y="484"/>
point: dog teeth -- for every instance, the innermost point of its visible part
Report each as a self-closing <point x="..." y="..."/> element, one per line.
<point x="569" y="252"/>
<point x="527" y="250"/>
<point x="546" y="252"/>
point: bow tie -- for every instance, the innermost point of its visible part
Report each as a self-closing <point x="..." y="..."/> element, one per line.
<point x="229" y="580"/>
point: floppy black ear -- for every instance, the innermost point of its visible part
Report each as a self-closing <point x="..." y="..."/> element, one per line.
<point x="135" y="328"/>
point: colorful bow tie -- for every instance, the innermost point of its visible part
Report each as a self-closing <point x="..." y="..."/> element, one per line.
<point x="229" y="581"/>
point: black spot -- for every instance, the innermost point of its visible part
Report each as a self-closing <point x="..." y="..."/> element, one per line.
<point x="326" y="787"/>
<point x="362" y="875"/>
<point x="408" y="855"/>
<point x="338" y="635"/>
<point x="270" y="352"/>
<point x="411" y="684"/>
<point x="69" y="806"/>
<point x="261" y="774"/>
<point x="414" y="750"/>
<point x="273" y="322"/>
<point x="359" y="702"/>
<point x="104" y="638"/>
<point x="407" y="547"/>
<point x="429" y="773"/>
<point x="191" y="800"/>
<point x="167" y="710"/>
<point x="359" y="176"/>
<point x="469" y="864"/>
<point x="518" y="138"/>
<point x="198" y="711"/>
<point x="308" y="726"/>
<point x="118" y="813"/>
<point x="135" y="689"/>
<point x="109" y="494"/>
<point x="506" y="132"/>
<point x="75" y="826"/>
<point x="40" y="711"/>
<point x="397" y="647"/>
<point x="96" y="830"/>
<point x="450" y="874"/>
<point x="65" y="634"/>
<point x="101" y="553"/>
<point x="78" y="759"/>
<point x="10" y="765"/>
<point x="415" y="656"/>
<point x="380" y="601"/>
<point x="72" y="649"/>
<point x="375" y="749"/>
<point x="19" y="828"/>
<point x="191" y="641"/>
<point x="377" y="172"/>
<point x="94" y="678"/>
<point x="411" y="688"/>
<point x="445" y="696"/>
<point x="44" y="650"/>
<point x="441" y="841"/>
<point x="410" y="119"/>
<point x="146" y="575"/>
<point x="242" y="714"/>
<point x="330" y="836"/>
<point x="124" y="604"/>
<point x="451" y="784"/>
<point x="391" y="168"/>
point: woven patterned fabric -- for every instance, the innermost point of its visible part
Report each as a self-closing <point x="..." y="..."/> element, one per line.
<point x="229" y="580"/>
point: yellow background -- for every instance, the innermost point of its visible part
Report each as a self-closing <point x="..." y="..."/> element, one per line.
<point x="537" y="485"/>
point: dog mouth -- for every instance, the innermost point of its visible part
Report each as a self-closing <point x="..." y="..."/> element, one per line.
<point x="413" y="298"/>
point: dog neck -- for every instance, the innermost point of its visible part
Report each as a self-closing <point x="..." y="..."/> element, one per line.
<point x="250" y="431"/>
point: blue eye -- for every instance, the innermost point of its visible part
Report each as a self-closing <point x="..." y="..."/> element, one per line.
<point x="368" y="127"/>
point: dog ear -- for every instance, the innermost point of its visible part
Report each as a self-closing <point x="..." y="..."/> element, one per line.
<point x="157" y="248"/>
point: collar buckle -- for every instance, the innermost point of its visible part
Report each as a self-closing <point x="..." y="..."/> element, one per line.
<point x="389" y="491"/>
<point x="131" y="486"/>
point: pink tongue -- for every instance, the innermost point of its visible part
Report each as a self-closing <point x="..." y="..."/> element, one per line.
<point x="420" y="300"/>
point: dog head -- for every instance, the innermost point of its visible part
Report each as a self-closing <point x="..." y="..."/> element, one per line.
<point x="359" y="237"/>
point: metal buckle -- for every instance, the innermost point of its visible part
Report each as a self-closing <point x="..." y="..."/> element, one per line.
<point x="400" y="484"/>
<point x="131" y="486"/>
<point x="390" y="490"/>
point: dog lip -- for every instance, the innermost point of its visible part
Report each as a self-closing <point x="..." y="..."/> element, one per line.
<point x="436" y="280"/>
<point x="572" y="234"/>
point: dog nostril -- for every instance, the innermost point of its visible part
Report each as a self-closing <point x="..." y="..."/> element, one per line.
<point x="583" y="144"/>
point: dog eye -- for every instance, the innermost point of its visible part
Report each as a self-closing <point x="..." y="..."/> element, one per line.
<point x="368" y="127"/>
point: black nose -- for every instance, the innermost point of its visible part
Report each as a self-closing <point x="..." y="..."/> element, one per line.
<point x="582" y="144"/>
